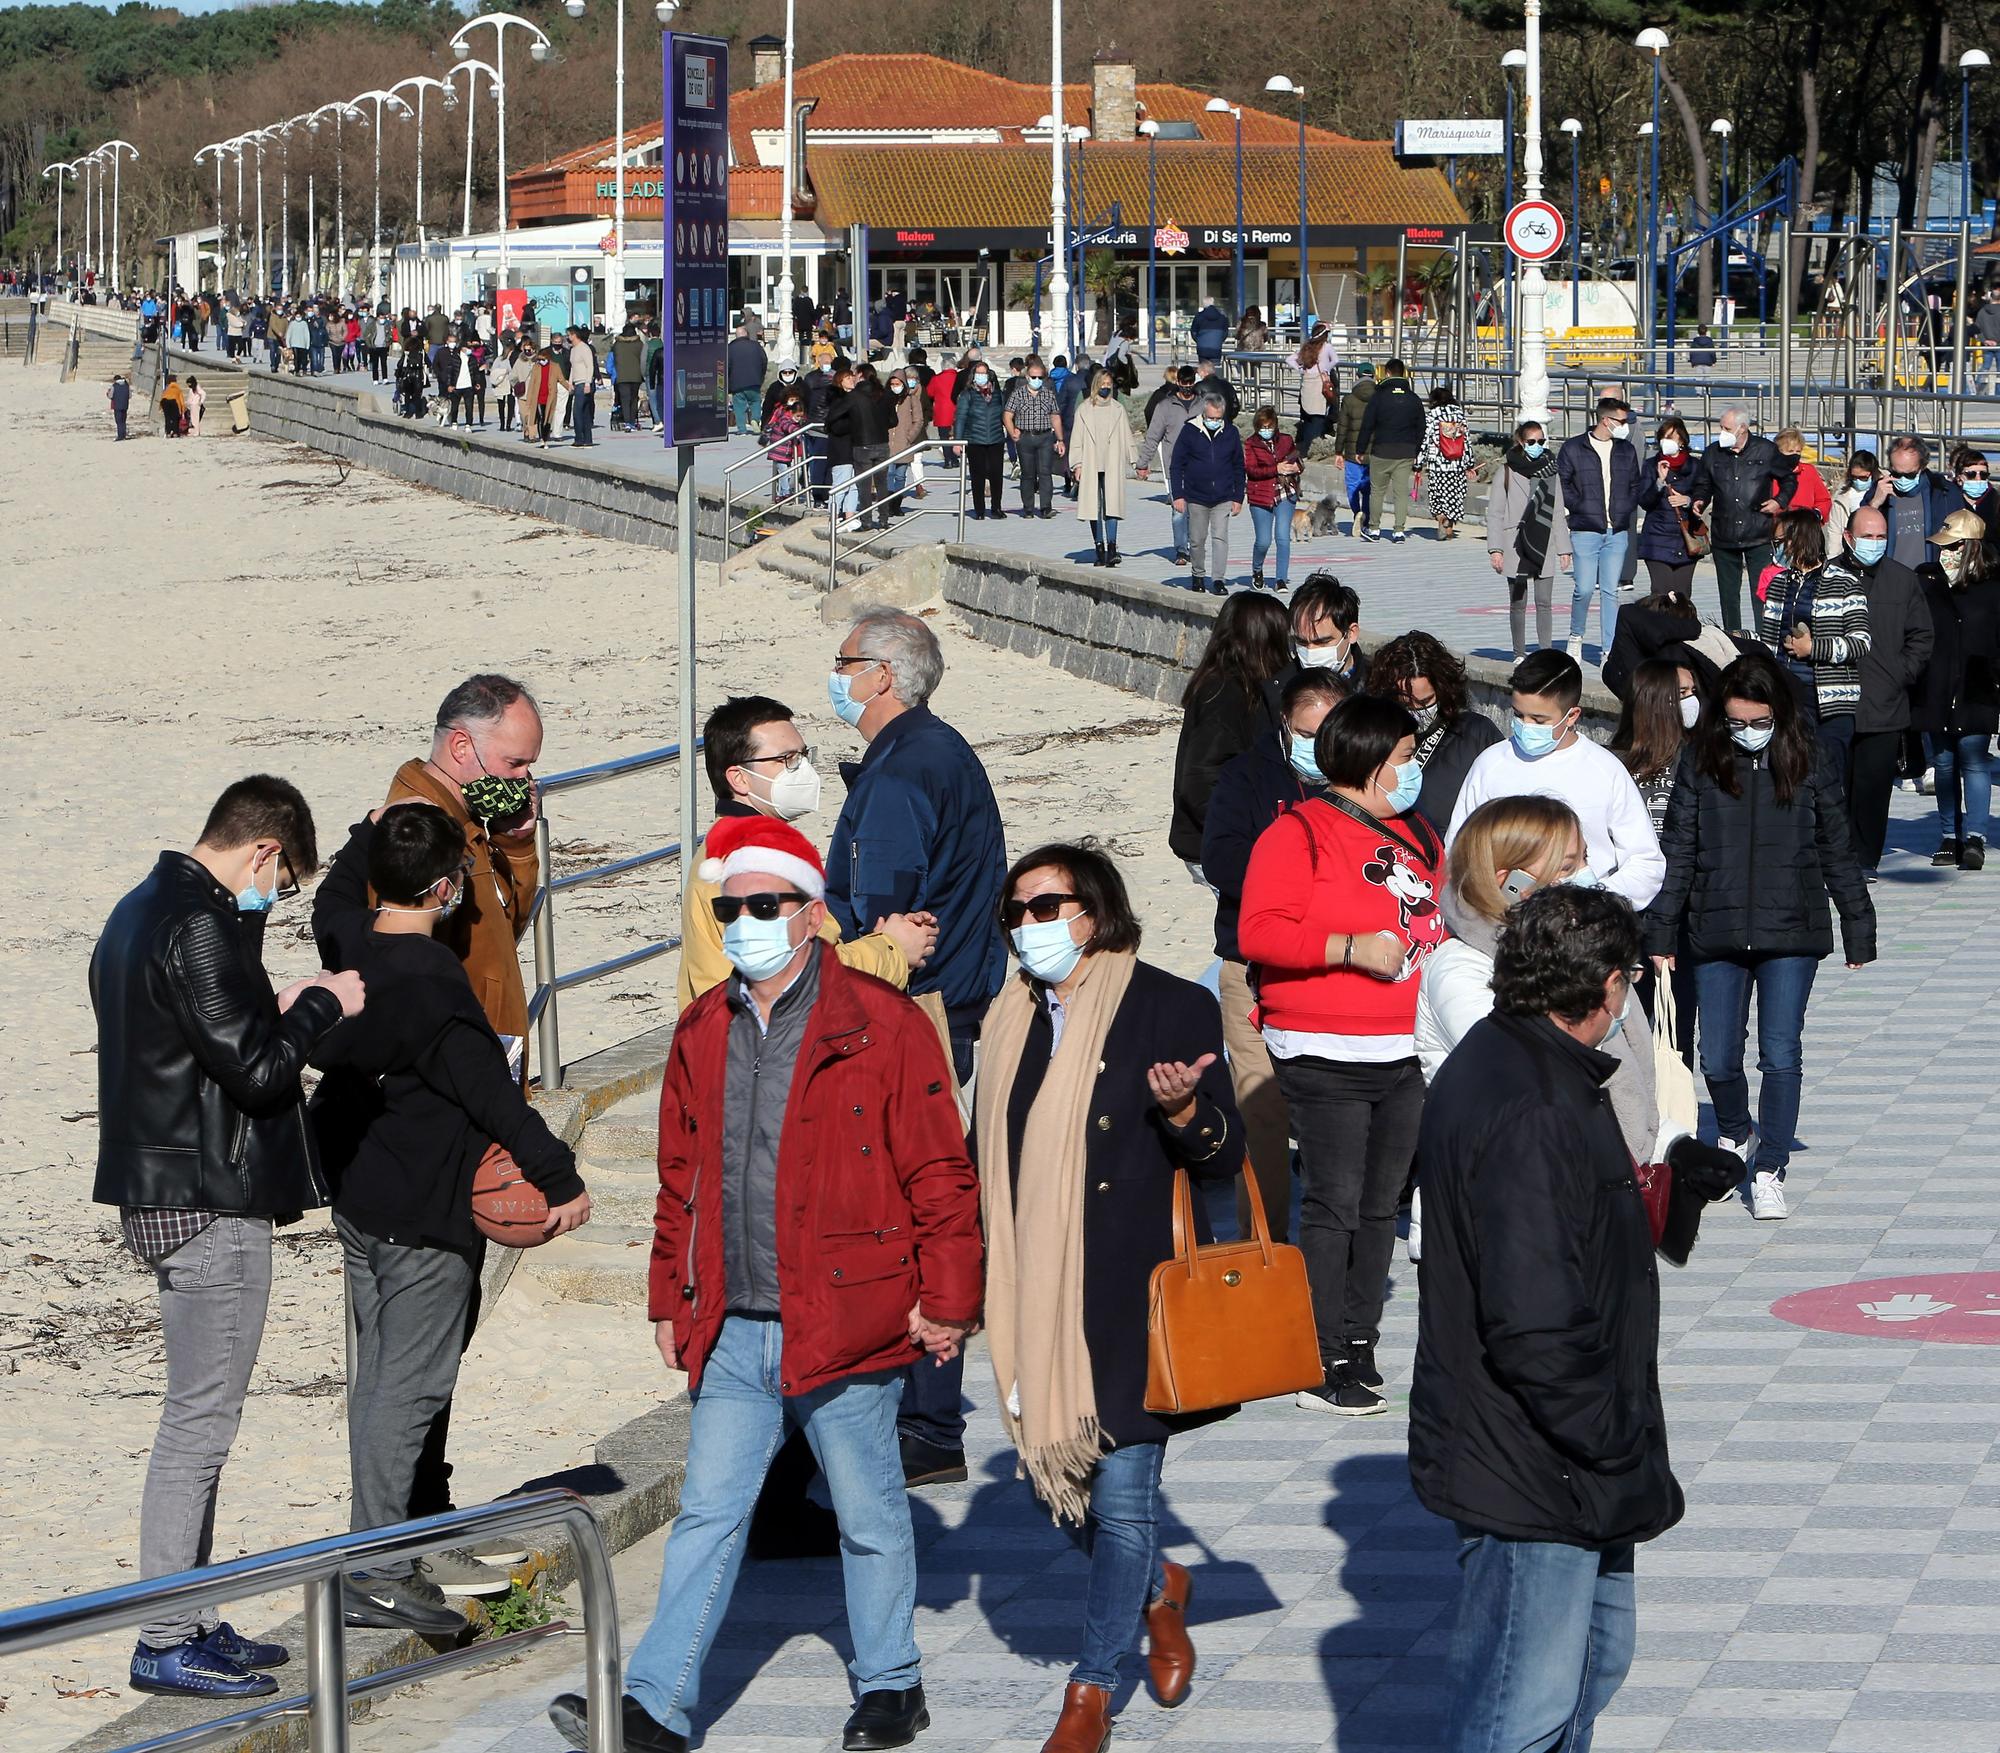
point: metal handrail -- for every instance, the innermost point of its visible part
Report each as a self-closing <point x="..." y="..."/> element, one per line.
<point x="318" y="1565"/>
<point x="834" y="552"/>
<point x="729" y="528"/>
<point x="542" y="1017"/>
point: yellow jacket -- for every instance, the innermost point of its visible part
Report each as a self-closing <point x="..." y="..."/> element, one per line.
<point x="704" y="965"/>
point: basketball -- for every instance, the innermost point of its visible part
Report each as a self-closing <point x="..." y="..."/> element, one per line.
<point x="506" y="1206"/>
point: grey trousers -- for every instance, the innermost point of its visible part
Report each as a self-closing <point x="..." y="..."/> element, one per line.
<point x="1038" y="461"/>
<point x="410" y="1315"/>
<point x="1208" y="539"/>
<point x="214" y="1291"/>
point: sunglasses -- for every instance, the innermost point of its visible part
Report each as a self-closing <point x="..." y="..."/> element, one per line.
<point x="1976" y="475"/>
<point x="728" y="908"/>
<point x="1040" y="908"/>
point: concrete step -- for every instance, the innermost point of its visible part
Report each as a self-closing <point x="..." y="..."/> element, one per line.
<point x="616" y="1144"/>
<point x="610" y="1269"/>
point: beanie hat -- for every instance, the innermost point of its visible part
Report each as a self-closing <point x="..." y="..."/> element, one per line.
<point x="740" y="844"/>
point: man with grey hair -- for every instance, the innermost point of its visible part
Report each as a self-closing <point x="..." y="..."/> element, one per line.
<point x="920" y="833"/>
<point x="1736" y="487"/>
<point x="1916" y="500"/>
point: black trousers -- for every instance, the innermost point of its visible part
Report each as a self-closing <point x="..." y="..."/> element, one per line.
<point x="628" y="403"/>
<point x="983" y="464"/>
<point x="1356" y="1127"/>
<point x="378" y="364"/>
<point x="1871" y="777"/>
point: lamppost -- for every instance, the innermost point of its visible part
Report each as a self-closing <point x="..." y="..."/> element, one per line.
<point x="382" y="100"/>
<point x="472" y="70"/>
<point x="1058" y="198"/>
<point x="339" y="112"/>
<point x="256" y="137"/>
<point x="788" y="338"/>
<point x="1280" y="84"/>
<point x="1574" y="129"/>
<point x="538" y="49"/>
<point x="1654" y="41"/>
<point x="59" y="171"/>
<point x="237" y="145"/>
<point x="421" y="83"/>
<point x="118" y="149"/>
<point x="1721" y="130"/>
<point x="1151" y="130"/>
<point x="1508" y="62"/>
<point x="284" y="132"/>
<point x="1221" y="106"/>
<point x="1966" y="63"/>
<point x="1534" y="348"/>
<point x="215" y="149"/>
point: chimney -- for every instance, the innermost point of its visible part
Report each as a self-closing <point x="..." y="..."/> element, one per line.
<point x="1114" y="97"/>
<point x="767" y="60"/>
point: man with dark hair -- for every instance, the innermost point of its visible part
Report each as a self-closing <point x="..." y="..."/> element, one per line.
<point x="1170" y="409"/>
<point x="1547" y="755"/>
<point x="1598" y="472"/>
<point x="416" y="1090"/>
<point x="1536" y="1423"/>
<point x="1392" y="432"/>
<point x="1735" y="485"/>
<point x="1347" y="443"/>
<point x="1326" y="631"/>
<point x="200" y="1146"/>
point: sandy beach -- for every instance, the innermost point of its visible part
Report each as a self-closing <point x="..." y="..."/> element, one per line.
<point x="182" y="613"/>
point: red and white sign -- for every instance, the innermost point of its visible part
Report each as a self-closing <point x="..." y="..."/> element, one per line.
<point x="1169" y="239"/>
<point x="1941" y="1308"/>
<point x="1534" y="230"/>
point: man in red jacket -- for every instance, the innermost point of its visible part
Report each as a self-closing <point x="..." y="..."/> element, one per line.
<point x="818" y="1226"/>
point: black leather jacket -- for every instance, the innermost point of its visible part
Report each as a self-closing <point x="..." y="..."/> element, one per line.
<point x="199" y="1104"/>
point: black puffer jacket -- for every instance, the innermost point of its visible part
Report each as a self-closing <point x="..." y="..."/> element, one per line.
<point x="1217" y="725"/>
<point x="1751" y="875"/>
<point x="1960" y="690"/>
<point x="1535" y="1409"/>
<point x="198" y="1091"/>
<point x="1733" y="484"/>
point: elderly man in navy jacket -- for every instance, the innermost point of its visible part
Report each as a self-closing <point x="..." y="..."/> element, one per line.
<point x="1599" y="473"/>
<point x="920" y="831"/>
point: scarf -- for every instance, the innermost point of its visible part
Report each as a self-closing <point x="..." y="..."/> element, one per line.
<point x="1537" y="525"/>
<point x="1034" y="1237"/>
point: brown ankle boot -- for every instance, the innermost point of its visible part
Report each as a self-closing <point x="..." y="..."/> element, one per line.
<point x="1169" y="1651"/>
<point x="1085" y="1723"/>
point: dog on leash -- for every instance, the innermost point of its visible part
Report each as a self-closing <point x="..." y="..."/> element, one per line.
<point x="1315" y="520"/>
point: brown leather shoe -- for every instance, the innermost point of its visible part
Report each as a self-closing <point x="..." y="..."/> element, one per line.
<point x="1085" y="1723"/>
<point x="1169" y="1650"/>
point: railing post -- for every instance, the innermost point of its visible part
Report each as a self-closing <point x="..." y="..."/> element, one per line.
<point x="1785" y="246"/>
<point x="1958" y="328"/>
<point x="326" y="1667"/>
<point x="548" y="1043"/>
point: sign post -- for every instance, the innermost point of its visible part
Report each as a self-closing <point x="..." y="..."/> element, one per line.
<point x="694" y="313"/>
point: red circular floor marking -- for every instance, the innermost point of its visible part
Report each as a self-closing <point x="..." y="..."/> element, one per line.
<point x="1939" y="1308"/>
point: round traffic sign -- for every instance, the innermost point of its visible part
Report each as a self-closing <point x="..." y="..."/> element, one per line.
<point x="1534" y="230"/>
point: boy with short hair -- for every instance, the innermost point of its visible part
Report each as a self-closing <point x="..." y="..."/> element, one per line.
<point x="412" y="1097"/>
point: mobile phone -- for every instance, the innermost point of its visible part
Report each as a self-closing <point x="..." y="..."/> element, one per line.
<point x="1517" y="885"/>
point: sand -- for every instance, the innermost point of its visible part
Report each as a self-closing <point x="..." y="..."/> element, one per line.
<point x="179" y="614"/>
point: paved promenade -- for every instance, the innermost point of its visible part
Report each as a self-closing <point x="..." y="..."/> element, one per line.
<point x="1833" y="1587"/>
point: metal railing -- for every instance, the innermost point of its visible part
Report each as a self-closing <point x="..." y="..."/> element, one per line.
<point x="731" y="526"/>
<point x="318" y="1565"/>
<point x="835" y="553"/>
<point x="548" y="981"/>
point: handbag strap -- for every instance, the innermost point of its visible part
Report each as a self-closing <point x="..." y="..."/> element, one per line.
<point x="1185" y="1245"/>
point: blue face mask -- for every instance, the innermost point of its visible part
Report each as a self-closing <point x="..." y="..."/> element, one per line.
<point x="1534" y="452"/>
<point x="1753" y="741"/>
<point x="1779" y="558"/>
<point x="1976" y="487"/>
<point x="1533" y="741"/>
<point x="1583" y="877"/>
<point x="1617" y="1027"/>
<point x="1870" y="549"/>
<point x="758" y="948"/>
<point x="251" y="899"/>
<point x="1409" y="782"/>
<point x="1304" y="763"/>
<point x="840" y="696"/>
<point x="1046" y="949"/>
<point x="1904" y="483"/>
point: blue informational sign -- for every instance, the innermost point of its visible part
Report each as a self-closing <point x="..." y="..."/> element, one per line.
<point x="694" y="291"/>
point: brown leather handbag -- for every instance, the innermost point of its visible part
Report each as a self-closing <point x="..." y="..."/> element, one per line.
<point x="1228" y="1321"/>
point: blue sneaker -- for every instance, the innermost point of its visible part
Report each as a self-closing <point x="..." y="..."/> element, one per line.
<point x="193" y="1670"/>
<point x="246" y="1652"/>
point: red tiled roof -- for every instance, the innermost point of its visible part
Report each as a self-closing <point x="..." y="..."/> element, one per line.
<point x="980" y="187"/>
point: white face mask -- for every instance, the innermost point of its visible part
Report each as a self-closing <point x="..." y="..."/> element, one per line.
<point x="1690" y="711"/>
<point x="1331" y="656"/>
<point x="1670" y="447"/>
<point x="794" y="792"/>
<point x="1622" y="430"/>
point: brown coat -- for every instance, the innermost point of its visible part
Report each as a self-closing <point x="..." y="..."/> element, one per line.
<point x="499" y="897"/>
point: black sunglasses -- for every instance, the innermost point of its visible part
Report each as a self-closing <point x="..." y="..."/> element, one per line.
<point x="1041" y="908"/>
<point x="761" y="906"/>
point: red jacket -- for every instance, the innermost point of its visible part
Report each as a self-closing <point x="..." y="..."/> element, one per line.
<point x="1808" y="492"/>
<point x="943" y="392"/>
<point x="1260" y="464"/>
<point x="1316" y="871"/>
<point x="878" y="1206"/>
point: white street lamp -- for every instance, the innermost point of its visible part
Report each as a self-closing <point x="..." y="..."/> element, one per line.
<point x="1534" y="344"/>
<point x="539" y="49"/>
<point x="788" y="339"/>
<point x="215" y="149"/>
<point x="283" y="130"/>
<point x="1059" y="293"/>
<point x="421" y="83"/>
<point x="382" y="100"/>
<point x="59" y="171"/>
<point x="340" y="112"/>
<point x="118" y="149"/>
<point x="472" y="70"/>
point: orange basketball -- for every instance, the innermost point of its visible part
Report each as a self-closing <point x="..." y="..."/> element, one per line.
<point x="507" y="1207"/>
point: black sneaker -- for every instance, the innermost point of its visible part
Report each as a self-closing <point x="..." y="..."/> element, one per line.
<point x="1972" y="855"/>
<point x="1256" y="579"/>
<point x="1342" y="1393"/>
<point x="411" y="1603"/>
<point x="1361" y="1359"/>
<point x="1947" y="852"/>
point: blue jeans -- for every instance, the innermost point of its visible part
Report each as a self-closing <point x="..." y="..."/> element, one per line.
<point x="845" y="495"/>
<point x="1180" y="531"/>
<point x="1264" y="525"/>
<point x="1543" y="1642"/>
<point x="1600" y="559"/>
<point x="1104" y="531"/>
<point x="1120" y="1537"/>
<point x="1358" y="494"/>
<point x="739" y="1419"/>
<point x="744" y="407"/>
<point x="1964" y="783"/>
<point x="1722" y="997"/>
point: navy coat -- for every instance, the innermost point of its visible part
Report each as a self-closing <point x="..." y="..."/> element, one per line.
<point x="1207" y="468"/>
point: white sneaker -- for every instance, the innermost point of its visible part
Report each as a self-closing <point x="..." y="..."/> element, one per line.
<point x="1928" y="784"/>
<point x="1413" y="1243"/>
<point x="1574" y="646"/>
<point x="1767" y="1197"/>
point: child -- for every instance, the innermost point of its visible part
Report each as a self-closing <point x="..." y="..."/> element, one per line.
<point x="787" y="448"/>
<point x="414" y="1091"/>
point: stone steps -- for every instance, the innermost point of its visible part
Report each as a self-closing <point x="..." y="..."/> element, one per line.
<point x="605" y="1261"/>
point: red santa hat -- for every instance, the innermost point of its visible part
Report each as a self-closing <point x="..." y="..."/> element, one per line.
<point x="738" y="845"/>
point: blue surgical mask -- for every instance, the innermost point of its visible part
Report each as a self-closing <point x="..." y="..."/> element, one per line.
<point x="1304" y="763"/>
<point x="1904" y="483"/>
<point x="1533" y="741"/>
<point x="1753" y="741"/>
<point x="1409" y="783"/>
<point x="1533" y="452"/>
<point x="840" y="696"/>
<point x="1046" y="949"/>
<point x="1617" y="1028"/>
<point x="1870" y="549"/>
<point x="1583" y="877"/>
<point x="758" y="948"/>
<point x="251" y="899"/>
<point x="1267" y="432"/>
<point x="1976" y="487"/>
<point x="1210" y="424"/>
<point x="1779" y="558"/>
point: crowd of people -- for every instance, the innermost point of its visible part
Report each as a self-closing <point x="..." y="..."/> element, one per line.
<point x="918" y="1091"/>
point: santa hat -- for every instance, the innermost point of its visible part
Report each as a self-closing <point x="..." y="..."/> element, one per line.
<point x="738" y="845"/>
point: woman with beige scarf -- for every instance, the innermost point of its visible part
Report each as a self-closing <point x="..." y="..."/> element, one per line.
<point x="1100" y="1075"/>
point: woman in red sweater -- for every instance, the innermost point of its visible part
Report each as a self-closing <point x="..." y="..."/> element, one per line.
<point x="1339" y="911"/>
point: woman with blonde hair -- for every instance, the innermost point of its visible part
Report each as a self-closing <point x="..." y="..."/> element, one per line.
<point x="1100" y="456"/>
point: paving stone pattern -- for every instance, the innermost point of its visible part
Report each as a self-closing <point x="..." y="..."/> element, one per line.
<point x="1833" y="1586"/>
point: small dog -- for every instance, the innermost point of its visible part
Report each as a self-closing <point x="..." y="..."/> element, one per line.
<point x="1315" y="520"/>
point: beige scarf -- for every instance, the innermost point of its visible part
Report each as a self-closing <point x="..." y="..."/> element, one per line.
<point x="1034" y="1241"/>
